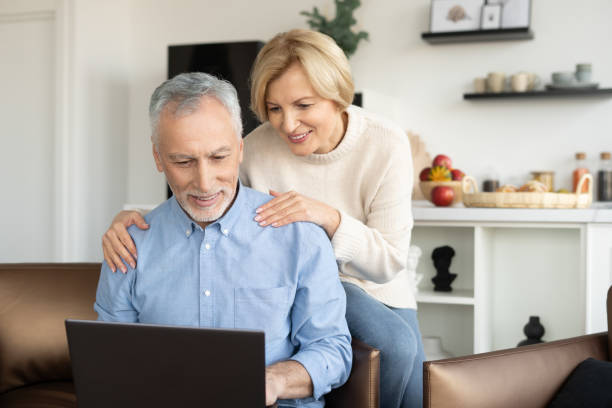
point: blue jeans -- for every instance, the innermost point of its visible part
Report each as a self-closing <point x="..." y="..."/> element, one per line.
<point x="395" y="332"/>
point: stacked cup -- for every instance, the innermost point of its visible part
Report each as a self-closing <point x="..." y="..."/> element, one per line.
<point x="583" y="72"/>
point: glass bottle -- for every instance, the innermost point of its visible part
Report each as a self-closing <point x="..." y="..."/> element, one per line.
<point x="579" y="171"/>
<point x="604" y="178"/>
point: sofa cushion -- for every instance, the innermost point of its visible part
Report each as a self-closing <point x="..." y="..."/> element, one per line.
<point x="57" y="394"/>
<point x="35" y="299"/>
<point x="587" y="386"/>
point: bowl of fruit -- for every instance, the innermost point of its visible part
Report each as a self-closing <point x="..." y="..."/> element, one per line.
<point x="441" y="184"/>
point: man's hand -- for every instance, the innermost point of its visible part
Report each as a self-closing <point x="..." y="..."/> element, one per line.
<point x="287" y="379"/>
<point x="274" y="386"/>
<point x="117" y="242"/>
<point x="292" y="206"/>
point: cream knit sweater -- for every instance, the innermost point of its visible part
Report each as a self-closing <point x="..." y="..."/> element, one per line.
<point x="368" y="178"/>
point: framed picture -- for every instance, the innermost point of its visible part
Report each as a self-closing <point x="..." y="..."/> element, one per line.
<point x="515" y="13"/>
<point x="491" y="17"/>
<point x="455" y="15"/>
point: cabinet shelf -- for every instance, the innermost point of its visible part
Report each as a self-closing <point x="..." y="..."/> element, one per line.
<point x="507" y="262"/>
<point x="607" y="92"/>
<point x="504" y="34"/>
<point x="456" y="297"/>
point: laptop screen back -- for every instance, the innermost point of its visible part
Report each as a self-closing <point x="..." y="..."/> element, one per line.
<point x="129" y="365"/>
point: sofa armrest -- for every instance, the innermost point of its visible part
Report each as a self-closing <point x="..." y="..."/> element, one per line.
<point x="526" y="377"/>
<point x="361" y="390"/>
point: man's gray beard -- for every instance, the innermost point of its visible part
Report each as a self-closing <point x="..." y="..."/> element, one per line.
<point x="227" y="200"/>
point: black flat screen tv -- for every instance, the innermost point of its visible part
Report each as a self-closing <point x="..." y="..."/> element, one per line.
<point x="231" y="61"/>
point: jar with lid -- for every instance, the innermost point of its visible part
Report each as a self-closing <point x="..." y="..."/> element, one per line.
<point x="580" y="170"/>
<point x="604" y="177"/>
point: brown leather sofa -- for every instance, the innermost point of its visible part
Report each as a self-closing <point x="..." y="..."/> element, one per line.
<point x="35" y="372"/>
<point x="526" y="377"/>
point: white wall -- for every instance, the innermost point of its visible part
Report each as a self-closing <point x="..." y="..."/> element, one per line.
<point x="422" y="83"/>
<point x="99" y="85"/>
<point x="513" y="136"/>
<point x="115" y="55"/>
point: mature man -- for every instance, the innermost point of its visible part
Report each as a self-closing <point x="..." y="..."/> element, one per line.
<point x="204" y="262"/>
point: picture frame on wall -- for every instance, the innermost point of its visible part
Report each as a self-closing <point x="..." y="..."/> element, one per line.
<point x="491" y="17"/>
<point x="515" y="13"/>
<point x="455" y="15"/>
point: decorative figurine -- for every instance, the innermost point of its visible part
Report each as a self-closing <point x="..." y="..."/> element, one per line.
<point x="534" y="332"/>
<point x="442" y="257"/>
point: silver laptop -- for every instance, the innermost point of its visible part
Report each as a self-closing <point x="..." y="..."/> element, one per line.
<point x="142" y="365"/>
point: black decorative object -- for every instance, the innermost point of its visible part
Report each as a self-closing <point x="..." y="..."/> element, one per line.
<point x="442" y="258"/>
<point x="534" y="332"/>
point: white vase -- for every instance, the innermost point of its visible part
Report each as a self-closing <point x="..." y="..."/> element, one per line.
<point x="432" y="346"/>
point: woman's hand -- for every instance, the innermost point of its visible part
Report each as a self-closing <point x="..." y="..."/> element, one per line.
<point x="291" y="206"/>
<point x="118" y="244"/>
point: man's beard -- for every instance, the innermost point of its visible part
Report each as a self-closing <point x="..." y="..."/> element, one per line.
<point x="199" y="215"/>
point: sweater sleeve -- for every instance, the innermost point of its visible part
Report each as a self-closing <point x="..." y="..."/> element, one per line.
<point x="377" y="249"/>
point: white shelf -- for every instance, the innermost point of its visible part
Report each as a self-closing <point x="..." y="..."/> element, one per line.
<point x="511" y="264"/>
<point x="456" y="297"/>
<point x="426" y="211"/>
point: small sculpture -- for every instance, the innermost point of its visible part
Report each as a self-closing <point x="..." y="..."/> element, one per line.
<point x="534" y="332"/>
<point x="442" y="257"/>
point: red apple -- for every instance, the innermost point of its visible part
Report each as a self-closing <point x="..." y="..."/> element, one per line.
<point x="442" y="196"/>
<point x="424" y="174"/>
<point x="457" y="174"/>
<point x="443" y="160"/>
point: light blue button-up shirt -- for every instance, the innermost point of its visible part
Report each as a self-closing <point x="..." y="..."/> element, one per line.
<point x="236" y="274"/>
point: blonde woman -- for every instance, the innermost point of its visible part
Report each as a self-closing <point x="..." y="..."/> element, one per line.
<point x="335" y="165"/>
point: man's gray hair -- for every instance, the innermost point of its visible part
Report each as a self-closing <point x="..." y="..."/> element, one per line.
<point x="185" y="91"/>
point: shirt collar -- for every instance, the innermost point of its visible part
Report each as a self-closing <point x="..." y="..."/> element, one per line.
<point x="225" y="224"/>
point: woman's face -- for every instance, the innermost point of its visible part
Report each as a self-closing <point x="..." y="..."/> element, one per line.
<point x="307" y="122"/>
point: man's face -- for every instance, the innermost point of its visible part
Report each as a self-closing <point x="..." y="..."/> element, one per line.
<point x="200" y="154"/>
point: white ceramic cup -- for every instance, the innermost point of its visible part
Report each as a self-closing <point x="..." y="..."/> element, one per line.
<point x="496" y="81"/>
<point x="533" y="80"/>
<point x="480" y="85"/>
<point x="519" y="82"/>
<point x="583" y="72"/>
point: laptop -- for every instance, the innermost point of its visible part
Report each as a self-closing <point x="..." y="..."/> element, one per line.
<point x="143" y="365"/>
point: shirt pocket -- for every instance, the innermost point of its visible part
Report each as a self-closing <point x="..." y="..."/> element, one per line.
<point x="263" y="309"/>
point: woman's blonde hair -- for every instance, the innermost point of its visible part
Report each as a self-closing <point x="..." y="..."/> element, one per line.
<point x="324" y="62"/>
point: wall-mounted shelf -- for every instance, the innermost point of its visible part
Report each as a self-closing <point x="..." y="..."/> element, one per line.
<point x="504" y="34"/>
<point x="541" y="94"/>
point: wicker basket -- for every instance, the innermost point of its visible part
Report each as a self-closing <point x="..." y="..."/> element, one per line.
<point x="472" y="198"/>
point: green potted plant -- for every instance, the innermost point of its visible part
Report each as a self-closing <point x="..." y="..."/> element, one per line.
<point x="340" y="27"/>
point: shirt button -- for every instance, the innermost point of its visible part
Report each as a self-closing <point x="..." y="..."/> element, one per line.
<point x="225" y="231"/>
<point x="207" y="246"/>
<point x="188" y="233"/>
<point x="207" y="292"/>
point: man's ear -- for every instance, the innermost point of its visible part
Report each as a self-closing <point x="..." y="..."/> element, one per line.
<point x="240" y="151"/>
<point x="157" y="159"/>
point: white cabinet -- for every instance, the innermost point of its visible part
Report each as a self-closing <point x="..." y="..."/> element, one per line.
<point x="512" y="264"/>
